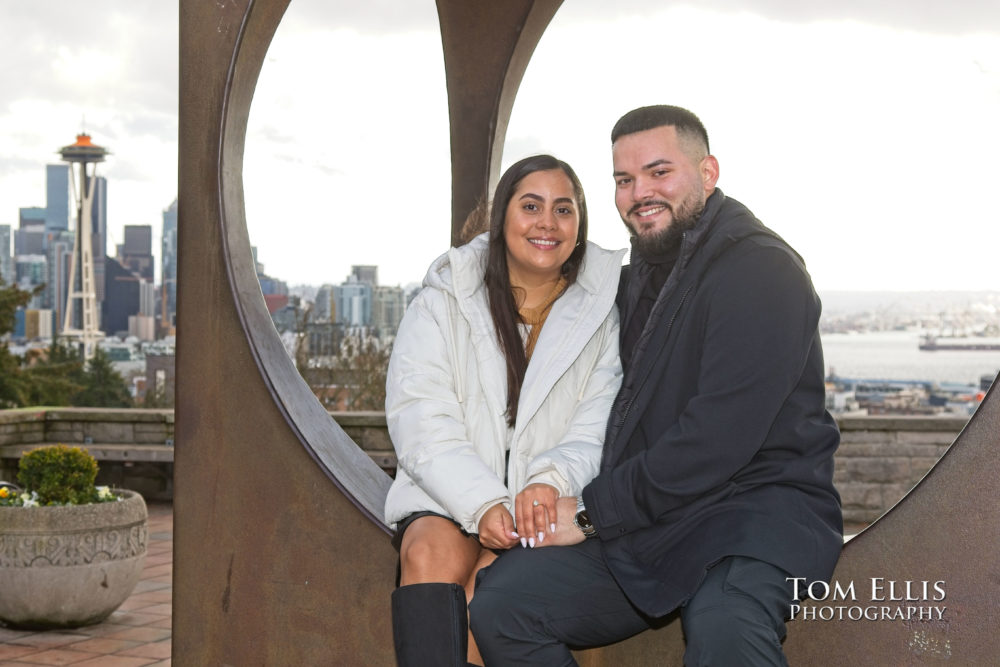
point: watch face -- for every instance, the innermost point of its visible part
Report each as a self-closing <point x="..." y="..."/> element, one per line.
<point x="583" y="519"/>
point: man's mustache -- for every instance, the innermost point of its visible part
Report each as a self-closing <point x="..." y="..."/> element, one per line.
<point x="655" y="202"/>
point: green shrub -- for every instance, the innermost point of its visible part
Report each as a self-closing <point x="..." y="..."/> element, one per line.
<point x="60" y="475"/>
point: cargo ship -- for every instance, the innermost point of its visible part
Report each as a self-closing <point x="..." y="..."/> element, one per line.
<point x="932" y="344"/>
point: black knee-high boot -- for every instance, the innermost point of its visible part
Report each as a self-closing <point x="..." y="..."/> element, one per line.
<point x="430" y="625"/>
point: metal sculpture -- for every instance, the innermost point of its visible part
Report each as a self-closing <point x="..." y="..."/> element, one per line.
<point x="281" y="556"/>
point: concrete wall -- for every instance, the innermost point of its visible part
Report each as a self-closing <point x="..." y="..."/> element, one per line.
<point x="879" y="460"/>
<point x="134" y="448"/>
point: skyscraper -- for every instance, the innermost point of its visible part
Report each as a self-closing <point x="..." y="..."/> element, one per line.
<point x="6" y="261"/>
<point x="60" y="257"/>
<point x="137" y="251"/>
<point x="125" y="297"/>
<point x="354" y="305"/>
<point x="29" y="239"/>
<point x="99" y="218"/>
<point x="388" y="307"/>
<point x="168" y="264"/>
<point x="365" y="273"/>
<point x="56" y="197"/>
<point x="325" y="308"/>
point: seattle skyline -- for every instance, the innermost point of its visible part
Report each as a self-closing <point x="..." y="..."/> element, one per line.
<point x="863" y="135"/>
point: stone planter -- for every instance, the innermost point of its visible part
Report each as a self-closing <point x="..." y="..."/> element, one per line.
<point x="63" y="567"/>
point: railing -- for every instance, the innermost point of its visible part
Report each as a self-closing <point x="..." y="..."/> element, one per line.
<point x="879" y="460"/>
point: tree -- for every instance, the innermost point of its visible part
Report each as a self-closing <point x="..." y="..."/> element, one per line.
<point x="362" y="366"/>
<point x="54" y="378"/>
<point x="13" y="390"/>
<point x="103" y="386"/>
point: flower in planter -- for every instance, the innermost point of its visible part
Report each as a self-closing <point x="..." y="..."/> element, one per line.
<point x="74" y="557"/>
<point x="57" y="475"/>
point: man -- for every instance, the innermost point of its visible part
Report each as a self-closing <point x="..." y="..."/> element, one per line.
<point x="716" y="484"/>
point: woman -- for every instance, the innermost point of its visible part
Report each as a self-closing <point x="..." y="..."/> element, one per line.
<point x="497" y="396"/>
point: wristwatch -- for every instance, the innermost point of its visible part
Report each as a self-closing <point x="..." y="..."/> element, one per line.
<point x="582" y="520"/>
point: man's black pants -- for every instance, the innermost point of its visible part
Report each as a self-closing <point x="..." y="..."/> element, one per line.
<point x="532" y="604"/>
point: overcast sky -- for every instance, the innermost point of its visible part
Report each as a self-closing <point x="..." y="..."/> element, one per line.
<point x="865" y="133"/>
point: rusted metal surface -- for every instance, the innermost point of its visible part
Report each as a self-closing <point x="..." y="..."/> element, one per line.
<point x="947" y="530"/>
<point x="487" y="46"/>
<point x="280" y="553"/>
<point x="278" y="560"/>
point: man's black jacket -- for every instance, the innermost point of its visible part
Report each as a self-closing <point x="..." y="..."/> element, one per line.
<point x="719" y="442"/>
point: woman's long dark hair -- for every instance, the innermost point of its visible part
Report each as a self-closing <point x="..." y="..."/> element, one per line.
<point x="503" y="306"/>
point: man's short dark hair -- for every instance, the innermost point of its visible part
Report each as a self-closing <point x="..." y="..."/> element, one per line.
<point x="646" y="118"/>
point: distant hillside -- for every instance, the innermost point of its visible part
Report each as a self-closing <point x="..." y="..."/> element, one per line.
<point x="842" y="302"/>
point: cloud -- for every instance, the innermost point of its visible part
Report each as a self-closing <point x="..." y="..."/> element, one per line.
<point x="371" y="16"/>
<point x="929" y="16"/>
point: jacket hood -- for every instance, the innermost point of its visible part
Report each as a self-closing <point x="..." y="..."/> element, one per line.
<point x="723" y="223"/>
<point x="459" y="270"/>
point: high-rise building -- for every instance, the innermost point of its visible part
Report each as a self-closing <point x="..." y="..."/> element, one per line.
<point x="168" y="267"/>
<point x="325" y="307"/>
<point x="142" y="325"/>
<point x="99" y="219"/>
<point x="29" y="239"/>
<point x="137" y="251"/>
<point x="354" y="303"/>
<point x="31" y="271"/>
<point x="38" y="324"/>
<point x="388" y="306"/>
<point x="6" y="259"/>
<point x="56" y="197"/>
<point x="31" y="216"/>
<point x="127" y="293"/>
<point x="365" y="273"/>
<point x="59" y="253"/>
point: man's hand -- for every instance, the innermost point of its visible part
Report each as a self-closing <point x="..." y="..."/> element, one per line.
<point x="535" y="513"/>
<point x="496" y="528"/>
<point x="566" y="532"/>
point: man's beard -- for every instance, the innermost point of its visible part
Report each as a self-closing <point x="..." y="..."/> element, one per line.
<point x="658" y="243"/>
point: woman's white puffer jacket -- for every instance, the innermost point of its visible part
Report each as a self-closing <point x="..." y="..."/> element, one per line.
<point x="446" y="391"/>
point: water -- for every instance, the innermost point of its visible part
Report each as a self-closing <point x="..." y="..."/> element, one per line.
<point x="894" y="355"/>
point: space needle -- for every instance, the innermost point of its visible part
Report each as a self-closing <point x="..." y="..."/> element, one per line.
<point x="81" y="324"/>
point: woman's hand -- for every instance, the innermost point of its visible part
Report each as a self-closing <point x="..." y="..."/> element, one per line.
<point x="535" y="512"/>
<point x="496" y="528"/>
<point x="567" y="532"/>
